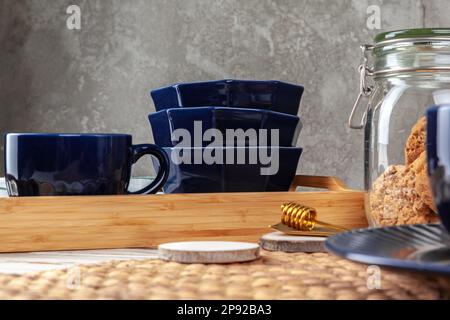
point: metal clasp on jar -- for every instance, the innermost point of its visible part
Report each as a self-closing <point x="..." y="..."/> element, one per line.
<point x="365" y="89"/>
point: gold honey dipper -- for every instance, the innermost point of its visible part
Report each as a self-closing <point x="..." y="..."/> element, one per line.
<point x="297" y="219"/>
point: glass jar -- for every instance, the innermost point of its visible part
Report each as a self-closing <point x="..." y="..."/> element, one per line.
<point x="403" y="73"/>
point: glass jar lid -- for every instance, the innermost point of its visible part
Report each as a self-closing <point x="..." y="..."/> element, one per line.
<point x="411" y="51"/>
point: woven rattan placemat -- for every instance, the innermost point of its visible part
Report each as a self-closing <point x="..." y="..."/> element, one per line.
<point x="275" y="276"/>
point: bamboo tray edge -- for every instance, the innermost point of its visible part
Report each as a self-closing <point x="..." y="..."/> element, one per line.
<point x="102" y="222"/>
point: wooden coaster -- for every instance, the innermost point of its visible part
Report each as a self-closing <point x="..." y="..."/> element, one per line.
<point x="208" y="251"/>
<point x="278" y="241"/>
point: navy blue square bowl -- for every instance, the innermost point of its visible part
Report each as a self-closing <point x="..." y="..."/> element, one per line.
<point x="165" y="122"/>
<point x="194" y="173"/>
<point x="271" y="95"/>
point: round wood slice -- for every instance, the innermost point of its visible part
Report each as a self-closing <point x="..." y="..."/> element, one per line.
<point x="208" y="251"/>
<point x="278" y="241"/>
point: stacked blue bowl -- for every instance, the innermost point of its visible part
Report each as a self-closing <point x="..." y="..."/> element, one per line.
<point x="228" y="135"/>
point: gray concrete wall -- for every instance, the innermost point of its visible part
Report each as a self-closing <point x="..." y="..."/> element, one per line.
<point x="98" y="79"/>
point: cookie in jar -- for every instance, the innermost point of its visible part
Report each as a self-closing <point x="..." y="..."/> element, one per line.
<point x="402" y="194"/>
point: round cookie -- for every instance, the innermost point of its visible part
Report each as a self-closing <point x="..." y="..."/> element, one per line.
<point x="422" y="183"/>
<point x="394" y="199"/>
<point x="382" y="211"/>
<point x="415" y="144"/>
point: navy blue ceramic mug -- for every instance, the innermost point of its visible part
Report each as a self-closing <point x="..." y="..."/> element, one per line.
<point x="41" y="164"/>
<point x="438" y="155"/>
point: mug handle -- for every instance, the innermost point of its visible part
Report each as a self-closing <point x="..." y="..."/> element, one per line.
<point x="138" y="151"/>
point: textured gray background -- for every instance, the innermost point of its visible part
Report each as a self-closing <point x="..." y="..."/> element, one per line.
<point x="98" y="79"/>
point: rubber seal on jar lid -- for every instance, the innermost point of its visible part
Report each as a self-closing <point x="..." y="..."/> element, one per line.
<point x="406" y="34"/>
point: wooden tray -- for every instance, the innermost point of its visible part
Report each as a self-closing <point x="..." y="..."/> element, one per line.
<point x="95" y="222"/>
